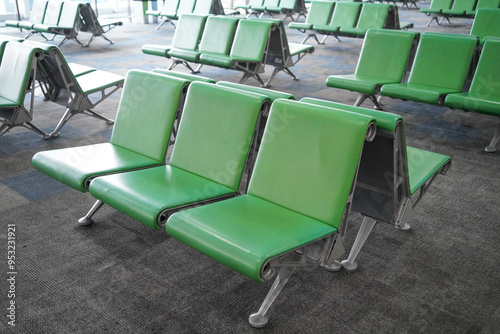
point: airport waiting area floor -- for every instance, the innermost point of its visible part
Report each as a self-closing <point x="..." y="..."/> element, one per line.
<point x="118" y="276"/>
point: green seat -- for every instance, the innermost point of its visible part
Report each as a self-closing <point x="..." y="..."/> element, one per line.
<point x="384" y="57"/>
<point x="345" y="15"/>
<point x="87" y="89"/>
<point x="484" y="4"/>
<point x="186" y="39"/>
<point x="261" y="10"/>
<point x="91" y="24"/>
<point x="168" y="10"/>
<point x="18" y="68"/>
<point x="287" y="208"/>
<point x="250" y="4"/>
<point x="486" y="24"/>
<point x="435" y="10"/>
<point x="460" y="7"/>
<point x="210" y="153"/>
<point x="247" y="53"/>
<point x="483" y="95"/>
<point x="4" y="39"/>
<point x="51" y="18"/>
<point x="371" y="16"/>
<point x="68" y="23"/>
<point x="440" y="67"/>
<point x="392" y="177"/>
<point x="319" y="14"/>
<point x="36" y="16"/>
<point x="139" y="139"/>
<point x="204" y="7"/>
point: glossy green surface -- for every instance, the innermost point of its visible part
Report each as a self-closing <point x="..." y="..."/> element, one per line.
<point x="372" y="16"/>
<point x="486" y="23"/>
<point x="422" y="165"/>
<point x="187" y="36"/>
<point x="215" y="132"/>
<point x="345" y="15"/>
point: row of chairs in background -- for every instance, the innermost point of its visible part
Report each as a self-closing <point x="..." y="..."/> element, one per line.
<point x="240" y="44"/>
<point x="349" y="19"/>
<point x="444" y="9"/>
<point x="173" y="9"/>
<point x="231" y="186"/>
<point x="259" y="8"/>
<point x="77" y="87"/>
<point x="64" y="18"/>
<point x="441" y="69"/>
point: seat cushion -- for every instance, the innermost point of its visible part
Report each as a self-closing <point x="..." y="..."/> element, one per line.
<point x="356" y="83"/>
<point x="416" y="92"/>
<point x="473" y="102"/>
<point x="96" y="80"/>
<point x="156" y="50"/>
<point x="144" y="194"/>
<point x="189" y="55"/>
<point x="245" y="232"/>
<point x="216" y="60"/>
<point x="422" y="165"/>
<point x="73" y="166"/>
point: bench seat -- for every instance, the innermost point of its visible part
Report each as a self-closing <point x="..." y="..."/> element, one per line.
<point x="258" y="231"/>
<point x="144" y="194"/>
<point x="416" y="92"/>
<point x="422" y="166"/>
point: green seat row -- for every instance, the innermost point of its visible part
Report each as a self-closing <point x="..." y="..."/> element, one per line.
<point x="444" y="9"/>
<point x="173" y="9"/>
<point x="65" y="18"/>
<point x="486" y="24"/>
<point x="437" y="72"/>
<point x="350" y="19"/>
<point x="79" y="88"/>
<point x="232" y="43"/>
<point x="259" y="8"/>
<point x="288" y="214"/>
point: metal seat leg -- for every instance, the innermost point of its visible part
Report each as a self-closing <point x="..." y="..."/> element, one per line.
<point x="259" y="319"/>
<point x="364" y="230"/>
<point x="87" y="219"/>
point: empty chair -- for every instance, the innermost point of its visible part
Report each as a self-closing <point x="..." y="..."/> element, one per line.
<point x="486" y="24"/>
<point x="18" y="71"/>
<point x="345" y="15"/>
<point x="484" y="4"/>
<point x="460" y="8"/>
<point x="168" y="10"/>
<point x="435" y="9"/>
<point x="51" y="19"/>
<point x="247" y="53"/>
<point x="148" y="106"/>
<point x="384" y="57"/>
<point x="440" y="67"/>
<point x="392" y="177"/>
<point x="186" y="39"/>
<point x="95" y="26"/>
<point x="79" y="94"/>
<point x="215" y="137"/>
<point x="36" y="16"/>
<point x="371" y="16"/>
<point x="483" y="95"/>
<point x="319" y="14"/>
<point x="289" y="217"/>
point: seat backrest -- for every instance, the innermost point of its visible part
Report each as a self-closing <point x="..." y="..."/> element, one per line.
<point x="271" y="3"/>
<point x="288" y="4"/>
<point x="385" y="53"/>
<point x="485" y="83"/>
<point x="146" y="113"/>
<point x="185" y="6"/>
<point x="69" y="14"/>
<point x="188" y="31"/>
<point x="487" y="4"/>
<point x="443" y="60"/>
<point x="383" y="180"/>
<point x="255" y="3"/>
<point x="203" y="7"/>
<point x="16" y="66"/>
<point x="345" y="14"/>
<point x="218" y="35"/>
<point x="373" y="15"/>
<point x="216" y="132"/>
<point x="326" y="141"/>
<point x="320" y="12"/>
<point x="53" y="12"/>
<point x="440" y="4"/>
<point x="486" y="23"/>
<point x="463" y="5"/>
<point x="170" y="6"/>
<point x="38" y="11"/>
<point x="251" y="39"/>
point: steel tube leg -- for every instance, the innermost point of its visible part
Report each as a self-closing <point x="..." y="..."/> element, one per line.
<point x="259" y="319"/>
<point x="496" y="137"/>
<point x="87" y="219"/>
<point x="364" y="230"/>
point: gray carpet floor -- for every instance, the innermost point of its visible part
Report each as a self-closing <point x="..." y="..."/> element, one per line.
<point x="118" y="276"/>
